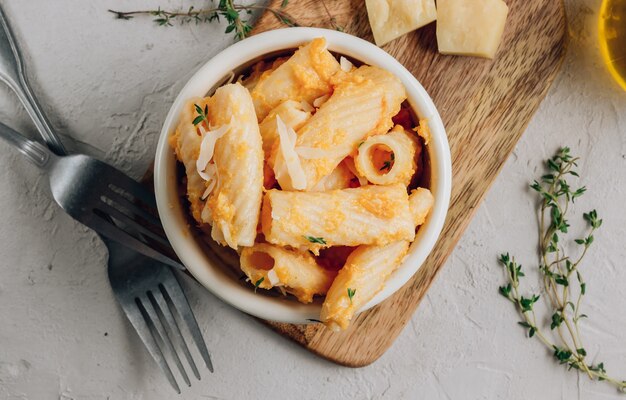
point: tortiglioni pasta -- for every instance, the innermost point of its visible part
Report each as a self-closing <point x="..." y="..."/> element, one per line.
<point x="239" y="162"/>
<point x="348" y="217"/>
<point x="361" y="105"/>
<point x="295" y="271"/>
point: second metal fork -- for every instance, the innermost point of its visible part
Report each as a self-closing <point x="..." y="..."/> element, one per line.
<point x="101" y="197"/>
<point x="113" y="204"/>
<point x="89" y="190"/>
<point x="151" y="296"/>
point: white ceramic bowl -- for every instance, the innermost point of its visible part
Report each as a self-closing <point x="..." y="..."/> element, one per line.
<point x="173" y="216"/>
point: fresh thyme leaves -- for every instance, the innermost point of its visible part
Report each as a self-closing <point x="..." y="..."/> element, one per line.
<point x="314" y="239"/>
<point x="332" y="20"/>
<point x="351" y="293"/>
<point x="227" y="9"/>
<point x="202" y="114"/>
<point x="258" y="283"/>
<point x="563" y="283"/>
<point x="387" y="164"/>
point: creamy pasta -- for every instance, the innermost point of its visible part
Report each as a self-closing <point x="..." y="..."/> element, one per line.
<point x="309" y="167"/>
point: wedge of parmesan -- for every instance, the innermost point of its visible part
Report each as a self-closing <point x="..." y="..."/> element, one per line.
<point x="391" y="19"/>
<point x="471" y="28"/>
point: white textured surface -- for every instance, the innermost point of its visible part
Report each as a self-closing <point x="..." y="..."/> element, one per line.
<point x="109" y="83"/>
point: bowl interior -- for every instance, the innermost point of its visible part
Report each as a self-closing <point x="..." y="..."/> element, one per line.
<point x="216" y="267"/>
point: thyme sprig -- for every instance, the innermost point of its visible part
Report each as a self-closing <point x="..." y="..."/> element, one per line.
<point x="313" y="239"/>
<point x="258" y="283"/>
<point x="563" y="284"/>
<point x="227" y="9"/>
<point x="387" y="164"/>
<point x="351" y="293"/>
<point x="202" y="114"/>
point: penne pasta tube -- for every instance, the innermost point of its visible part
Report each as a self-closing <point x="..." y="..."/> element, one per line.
<point x="361" y="105"/>
<point x="388" y="159"/>
<point x="297" y="272"/>
<point x="340" y="178"/>
<point x="305" y="76"/>
<point x="348" y="217"/>
<point x="367" y="269"/>
<point x="361" y="278"/>
<point x="293" y="115"/>
<point x="238" y="157"/>
<point x="186" y="142"/>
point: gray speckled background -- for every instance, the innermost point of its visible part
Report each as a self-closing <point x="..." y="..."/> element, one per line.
<point x="109" y="84"/>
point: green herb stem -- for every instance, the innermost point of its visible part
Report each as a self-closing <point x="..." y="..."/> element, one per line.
<point x="227" y="9"/>
<point x="558" y="270"/>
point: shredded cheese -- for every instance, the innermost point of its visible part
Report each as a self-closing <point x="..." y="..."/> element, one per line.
<point x="273" y="277"/>
<point x="211" y="171"/>
<point x="317" y="103"/>
<point x="207" y="147"/>
<point x="345" y="64"/>
<point x="292" y="165"/>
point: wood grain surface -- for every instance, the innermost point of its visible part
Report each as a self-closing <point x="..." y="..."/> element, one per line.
<point x="485" y="106"/>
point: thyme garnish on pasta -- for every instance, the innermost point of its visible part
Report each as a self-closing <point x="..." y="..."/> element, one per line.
<point x="313" y="239"/>
<point x="387" y="164"/>
<point x="351" y="293"/>
<point x="563" y="284"/>
<point x="226" y="9"/>
<point x="202" y="114"/>
<point x="258" y="283"/>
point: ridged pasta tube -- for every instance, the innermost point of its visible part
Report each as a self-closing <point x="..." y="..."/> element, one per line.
<point x="366" y="270"/>
<point x="305" y="76"/>
<point x="361" y="105"/>
<point x="388" y="159"/>
<point x="295" y="271"/>
<point x="364" y="274"/>
<point x="292" y="114"/>
<point x="347" y="217"/>
<point x="238" y="158"/>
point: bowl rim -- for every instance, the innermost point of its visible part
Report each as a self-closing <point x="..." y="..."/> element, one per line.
<point x="178" y="231"/>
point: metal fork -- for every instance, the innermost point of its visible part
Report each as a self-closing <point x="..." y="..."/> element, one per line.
<point x="148" y="291"/>
<point x="12" y="73"/>
<point x="150" y="295"/>
<point x="101" y="197"/>
<point x="92" y="192"/>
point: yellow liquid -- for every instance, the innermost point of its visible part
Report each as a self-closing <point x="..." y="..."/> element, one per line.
<point x="613" y="38"/>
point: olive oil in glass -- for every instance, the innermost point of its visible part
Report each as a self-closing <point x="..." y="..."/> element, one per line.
<point x="612" y="33"/>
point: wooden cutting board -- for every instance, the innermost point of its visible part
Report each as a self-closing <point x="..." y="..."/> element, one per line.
<point x="485" y="106"/>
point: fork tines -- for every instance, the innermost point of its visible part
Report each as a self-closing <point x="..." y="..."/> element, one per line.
<point x="125" y="211"/>
<point x="158" y="314"/>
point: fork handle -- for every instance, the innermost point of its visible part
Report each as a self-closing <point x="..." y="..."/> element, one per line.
<point x="36" y="153"/>
<point x="12" y="73"/>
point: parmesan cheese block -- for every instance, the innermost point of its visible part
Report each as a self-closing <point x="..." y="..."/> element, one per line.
<point x="391" y="19"/>
<point x="471" y="28"/>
